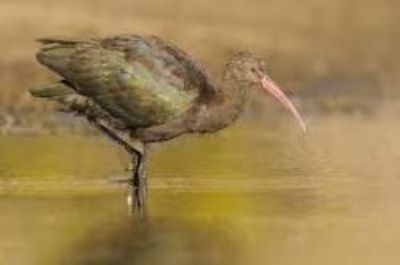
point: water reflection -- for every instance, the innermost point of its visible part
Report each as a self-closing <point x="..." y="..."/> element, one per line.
<point x="261" y="196"/>
<point x="159" y="241"/>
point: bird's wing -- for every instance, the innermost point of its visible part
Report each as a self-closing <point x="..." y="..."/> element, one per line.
<point x="141" y="80"/>
<point x="195" y="75"/>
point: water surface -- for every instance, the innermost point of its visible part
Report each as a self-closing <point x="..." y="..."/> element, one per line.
<point x="253" y="194"/>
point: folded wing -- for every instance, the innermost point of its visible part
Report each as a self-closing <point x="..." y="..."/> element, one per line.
<point x="143" y="81"/>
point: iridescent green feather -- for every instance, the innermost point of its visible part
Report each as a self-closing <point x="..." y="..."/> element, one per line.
<point x="138" y="84"/>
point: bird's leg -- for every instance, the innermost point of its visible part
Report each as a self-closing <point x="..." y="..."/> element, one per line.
<point x="138" y="180"/>
<point x="121" y="138"/>
<point x="136" y="149"/>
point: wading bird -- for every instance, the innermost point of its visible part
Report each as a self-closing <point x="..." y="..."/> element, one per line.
<point x="142" y="89"/>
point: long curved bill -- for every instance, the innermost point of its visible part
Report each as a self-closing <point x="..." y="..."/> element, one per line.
<point x="269" y="85"/>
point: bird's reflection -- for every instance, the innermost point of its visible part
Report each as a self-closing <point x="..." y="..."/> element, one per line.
<point x="135" y="210"/>
<point x="162" y="241"/>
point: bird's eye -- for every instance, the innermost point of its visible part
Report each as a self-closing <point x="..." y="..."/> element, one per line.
<point x="253" y="69"/>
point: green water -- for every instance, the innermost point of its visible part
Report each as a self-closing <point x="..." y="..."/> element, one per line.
<point x="259" y="194"/>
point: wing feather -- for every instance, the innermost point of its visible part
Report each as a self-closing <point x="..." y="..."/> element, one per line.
<point x="142" y="80"/>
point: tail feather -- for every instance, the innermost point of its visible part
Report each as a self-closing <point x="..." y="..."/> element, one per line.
<point x="63" y="93"/>
<point x="52" y="91"/>
<point x="71" y="102"/>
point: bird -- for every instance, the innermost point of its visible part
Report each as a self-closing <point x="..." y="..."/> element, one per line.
<point x="141" y="90"/>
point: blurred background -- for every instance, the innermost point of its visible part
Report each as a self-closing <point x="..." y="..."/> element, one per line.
<point x="266" y="194"/>
<point x="313" y="47"/>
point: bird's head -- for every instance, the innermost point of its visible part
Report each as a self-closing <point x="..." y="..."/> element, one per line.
<point x="251" y="71"/>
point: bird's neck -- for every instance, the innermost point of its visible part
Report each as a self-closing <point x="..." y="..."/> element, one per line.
<point x="233" y="91"/>
<point x="229" y="101"/>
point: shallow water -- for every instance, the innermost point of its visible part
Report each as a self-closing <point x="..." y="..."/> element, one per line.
<point x="253" y="194"/>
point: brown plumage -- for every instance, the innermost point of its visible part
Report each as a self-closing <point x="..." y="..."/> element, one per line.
<point x="142" y="89"/>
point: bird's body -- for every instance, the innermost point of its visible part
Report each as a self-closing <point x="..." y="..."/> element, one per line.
<point x="142" y="89"/>
<point x="143" y="84"/>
